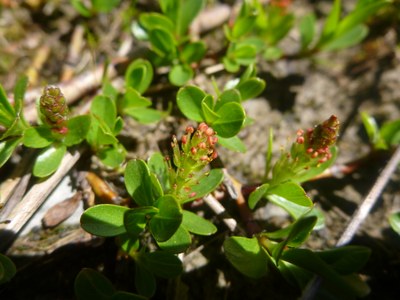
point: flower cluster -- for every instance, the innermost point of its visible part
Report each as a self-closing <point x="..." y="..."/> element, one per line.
<point x="54" y="110"/>
<point x="311" y="149"/>
<point x="196" y="150"/>
<point x="318" y="140"/>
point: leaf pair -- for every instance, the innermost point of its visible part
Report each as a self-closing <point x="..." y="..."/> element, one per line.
<point x="226" y="116"/>
<point x="138" y="78"/>
<point x="104" y="127"/>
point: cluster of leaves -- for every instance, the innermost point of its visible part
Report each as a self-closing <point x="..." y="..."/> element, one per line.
<point x="56" y="130"/>
<point x="258" y="29"/>
<point x="155" y="227"/>
<point x="159" y="191"/>
<point x="255" y="257"/>
<point x="225" y="113"/>
<point x="170" y="43"/>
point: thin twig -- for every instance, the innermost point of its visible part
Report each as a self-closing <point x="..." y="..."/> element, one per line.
<point x="364" y="209"/>
<point x="219" y="210"/>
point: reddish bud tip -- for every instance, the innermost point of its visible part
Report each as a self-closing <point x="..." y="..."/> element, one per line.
<point x="202" y="145"/>
<point x="193" y="150"/>
<point x="189" y="129"/>
<point x="184" y="139"/>
<point x="209" y="131"/>
<point x="300" y="140"/>
<point x="192" y="194"/>
<point x="203" y="127"/>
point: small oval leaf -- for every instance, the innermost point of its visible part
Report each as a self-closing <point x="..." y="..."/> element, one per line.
<point x="104" y="220"/>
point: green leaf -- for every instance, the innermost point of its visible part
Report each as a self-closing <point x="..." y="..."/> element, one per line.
<point x="139" y="183"/>
<point x="139" y="75"/>
<point x="145" y="282"/>
<point x="272" y="53"/>
<point x="292" y="208"/>
<point x="244" y="54"/>
<point x="118" y="126"/>
<point x="178" y="243"/>
<point x="307" y="30"/>
<point x="243" y="25"/>
<point x="144" y="115"/>
<point x="78" y="128"/>
<point x="258" y="194"/>
<point x="394" y="220"/>
<point x="207" y="184"/>
<point x="127" y="242"/>
<point x="135" y="219"/>
<point x="161" y="263"/>
<point x="196" y="224"/>
<point x="164" y="224"/>
<point x="292" y="192"/>
<point x="187" y="11"/>
<point x="158" y="166"/>
<point x="297" y="233"/>
<point x="132" y="99"/>
<point x="251" y="88"/>
<point x="346" y="260"/>
<point x="246" y="255"/>
<point x="105" y="109"/>
<point x="227" y="96"/>
<point x="109" y="90"/>
<point x="349" y="38"/>
<point x="231" y="119"/>
<point x="180" y="74"/>
<point x="7" y="113"/>
<point x="99" y="133"/>
<point x="19" y="94"/>
<point x="112" y="156"/>
<point x="155" y="20"/>
<point x="104" y="6"/>
<point x="81" y="8"/>
<point x="162" y="41"/>
<point x="104" y="220"/>
<point x="193" y="52"/>
<point x="189" y="100"/>
<point x="48" y="160"/>
<point x="7" y="269"/>
<point x="38" y="137"/>
<point x="310" y="261"/>
<point x="390" y="132"/>
<point x="372" y="129"/>
<point x="230" y="64"/>
<point x="209" y="115"/>
<point x="7" y="148"/>
<point x="233" y="143"/>
<point x="331" y="23"/>
<point x="358" y="16"/>
<point x="291" y="234"/>
<point x="90" y="284"/>
<point x="295" y="275"/>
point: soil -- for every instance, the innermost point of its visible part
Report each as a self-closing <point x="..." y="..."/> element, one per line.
<point x="35" y="39"/>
